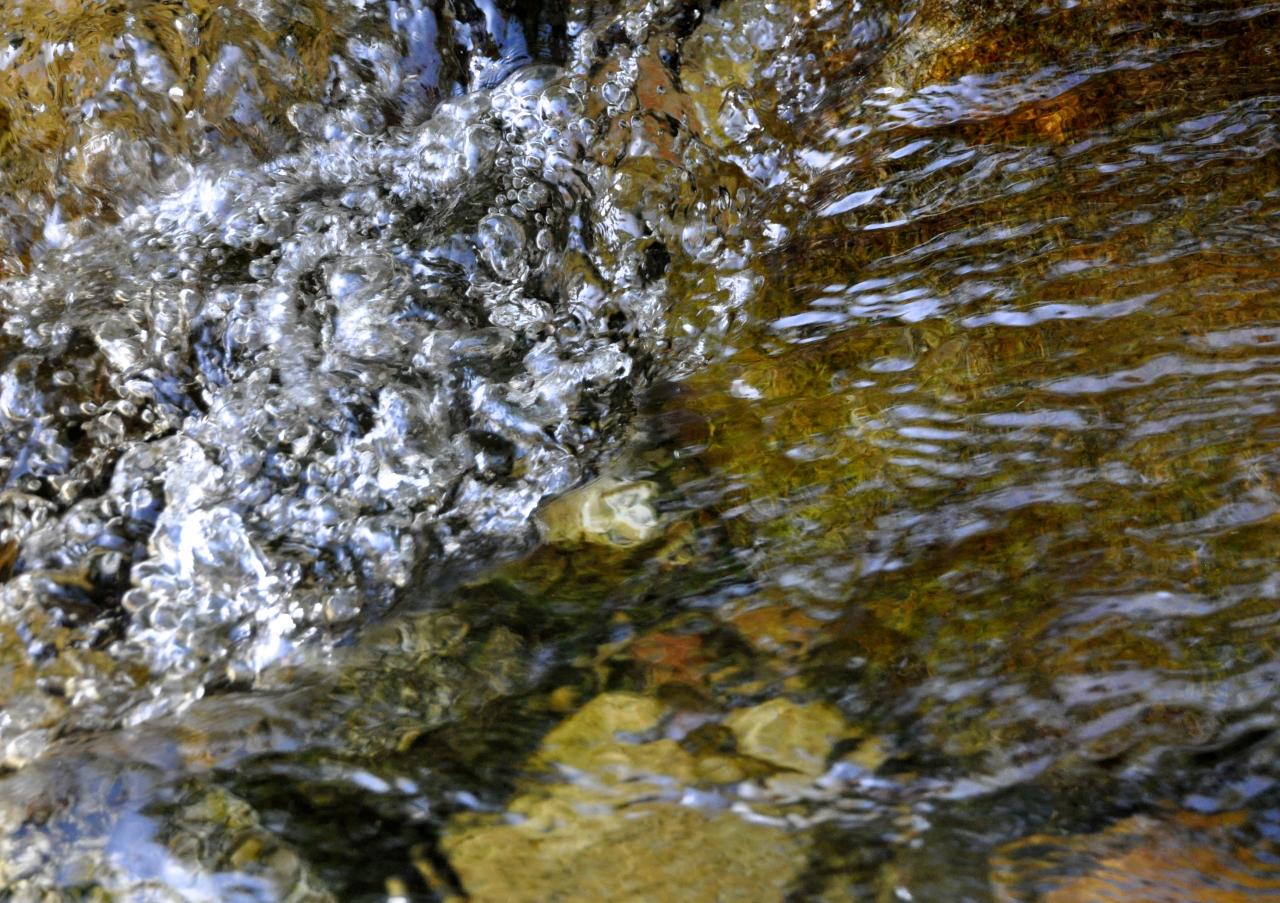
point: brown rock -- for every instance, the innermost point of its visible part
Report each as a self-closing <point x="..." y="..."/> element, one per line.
<point x="1187" y="858"/>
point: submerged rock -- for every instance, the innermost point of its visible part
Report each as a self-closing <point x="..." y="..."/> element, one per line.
<point x="583" y="850"/>
<point x="789" y="735"/>
<point x="1188" y="856"/>
<point x="606" y="512"/>
<point x="120" y="833"/>
<point x="420" y="672"/>
<point x="601" y="722"/>
<point x="123" y="811"/>
<point x="629" y="825"/>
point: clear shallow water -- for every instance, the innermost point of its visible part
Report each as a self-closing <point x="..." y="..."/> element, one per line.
<point x="924" y="355"/>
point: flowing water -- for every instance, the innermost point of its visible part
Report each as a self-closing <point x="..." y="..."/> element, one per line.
<point x="670" y="450"/>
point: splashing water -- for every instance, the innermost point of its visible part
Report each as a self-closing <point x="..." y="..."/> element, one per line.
<point x="268" y="398"/>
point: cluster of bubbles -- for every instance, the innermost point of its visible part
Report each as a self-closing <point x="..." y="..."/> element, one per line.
<point x="275" y="395"/>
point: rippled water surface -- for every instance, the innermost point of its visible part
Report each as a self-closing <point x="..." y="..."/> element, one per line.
<point x="639" y="451"/>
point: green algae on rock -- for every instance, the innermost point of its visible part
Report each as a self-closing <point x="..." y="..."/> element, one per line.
<point x="419" y="672"/>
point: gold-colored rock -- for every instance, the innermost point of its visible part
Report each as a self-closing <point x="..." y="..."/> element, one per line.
<point x="620" y="831"/>
<point x="651" y="851"/>
<point x="593" y="730"/>
<point x="563" y="699"/>
<point x="870" y="754"/>
<point x="788" y="734"/>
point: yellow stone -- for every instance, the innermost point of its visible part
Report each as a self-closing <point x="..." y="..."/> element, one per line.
<point x="578" y="739"/>
<point x="870" y="754"/>
<point x="645" y="852"/>
<point x="618" y="831"/>
<point x="248" y="852"/>
<point x="788" y="734"/>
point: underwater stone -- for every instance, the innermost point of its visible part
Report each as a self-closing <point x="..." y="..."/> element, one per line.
<point x="649" y="851"/>
<point x="788" y="734"/>
<point x="604" y="512"/>
<point x="622" y="829"/>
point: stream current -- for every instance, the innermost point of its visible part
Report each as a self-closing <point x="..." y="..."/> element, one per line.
<point x="551" y="453"/>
